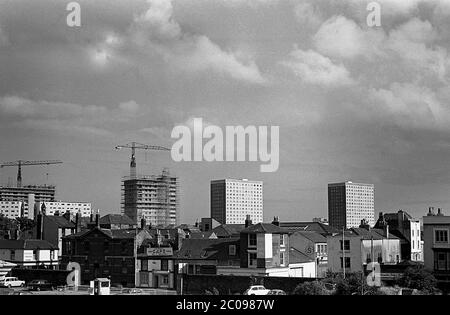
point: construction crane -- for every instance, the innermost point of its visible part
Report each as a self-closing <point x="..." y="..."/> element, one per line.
<point x="21" y="163"/>
<point x="138" y="146"/>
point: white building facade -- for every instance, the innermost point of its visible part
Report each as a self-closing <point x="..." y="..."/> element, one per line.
<point x="349" y="203"/>
<point x="233" y="199"/>
<point x="17" y="209"/>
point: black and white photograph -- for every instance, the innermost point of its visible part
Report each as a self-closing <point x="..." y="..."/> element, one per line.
<point x="220" y="154"/>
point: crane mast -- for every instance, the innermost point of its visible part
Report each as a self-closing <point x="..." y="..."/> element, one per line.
<point x="138" y="146"/>
<point x="20" y="163"/>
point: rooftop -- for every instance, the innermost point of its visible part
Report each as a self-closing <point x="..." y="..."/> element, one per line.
<point x="313" y="236"/>
<point x="26" y="244"/>
<point x="297" y="257"/>
<point x="309" y="226"/>
<point x="118" y="219"/>
<point x="212" y="249"/>
<point x="265" y="228"/>
<point x="228" y="230"/>
<point x="61" y="221"/>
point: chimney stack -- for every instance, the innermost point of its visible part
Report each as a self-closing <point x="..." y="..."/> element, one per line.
<point x="439" y="213"/>
<point x="143" y="223"/>
<point x="248" y="221"/>
<point x="67" y="215"/>
<point x="39" y="226"/>
<point x="78" y="222"/>
<point x="364" y="224"/>
<point x="276" y="221"/>
<point x="97" y="218"/>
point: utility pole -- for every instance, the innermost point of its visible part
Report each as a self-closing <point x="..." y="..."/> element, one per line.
<point x="343" y="249"/>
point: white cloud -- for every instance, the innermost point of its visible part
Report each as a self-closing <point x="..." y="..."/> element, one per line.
<point x="315" y="68"/>
<point x="157" y="30"/>
<point x="410" y="106"/>
<point x="343" y="38"/>
<point x="308" y="14"/>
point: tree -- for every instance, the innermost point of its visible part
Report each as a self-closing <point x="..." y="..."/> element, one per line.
<point x="419" y="278"/>
<point x="311" y="288"/>
<point x="25" y="224"/>
<point x="352" y="284"/>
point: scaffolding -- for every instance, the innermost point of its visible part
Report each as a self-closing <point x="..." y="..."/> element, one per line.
<point x="153" y="198"/>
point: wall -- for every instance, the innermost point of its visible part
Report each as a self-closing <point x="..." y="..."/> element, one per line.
<point x="335" y="253"/>
<point x="57" y="277"/>
<point x="303" y="270"/>
<point x="235" y="284"/>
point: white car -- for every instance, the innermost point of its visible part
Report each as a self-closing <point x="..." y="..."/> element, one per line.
<point x="11" y="282"/>
<point x="257" y="290"/>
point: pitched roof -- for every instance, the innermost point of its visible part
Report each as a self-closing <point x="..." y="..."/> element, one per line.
<point x="205" y="249"/>
<point x="116" y="219"/>
<point x="228" y="230"/>
<point x="200" y="235"/>
<point x="114" y="234"/>
<point x="309" y="226"/>
<point x="26" y="244"/>
<point x="61" y="222"/>
<point x="313" y="236"/>
<point x="297" y="257"/>
<point x="376" y="234"/>
<point x="265" y="228"/>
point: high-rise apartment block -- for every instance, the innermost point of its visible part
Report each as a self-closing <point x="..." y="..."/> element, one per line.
<point x="20" y="201"/>
<point x="232" y="200"/>
<point x="153" y="198"/>
<point x="349" y="203"/>
<point x="41" y="193"/>
<point x="29" y="208"/>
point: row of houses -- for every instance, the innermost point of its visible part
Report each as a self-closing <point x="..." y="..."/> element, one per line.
<point x="155" y="257"/>
<point x="113" y="246"/>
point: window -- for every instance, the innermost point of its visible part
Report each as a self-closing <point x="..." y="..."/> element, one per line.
<point x="144" y="265"/>
<point x="165" y="280"/>
<point x="347" y="262"/>
<point x="442" y="260"/>
<point x="282" y="240"/>
<point x="13" y="255"/>
<point x="252" y="259"/>
<point x="282" y="262"/>
<point x="35" y="255"/>
<point x="232" y="250"/>
<point x="165" y="265"/>
<point x="441" y="236"/>
<point x="346" y="244"/>
<point x="252" y="239"/>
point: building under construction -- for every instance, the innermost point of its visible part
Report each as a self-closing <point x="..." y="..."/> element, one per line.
<point x="152" y="198"/>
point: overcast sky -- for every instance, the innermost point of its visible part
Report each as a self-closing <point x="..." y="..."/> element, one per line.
<point x="352" y="102"/>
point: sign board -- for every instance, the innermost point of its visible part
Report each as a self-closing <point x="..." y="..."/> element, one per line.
<point x="160" y="251"/>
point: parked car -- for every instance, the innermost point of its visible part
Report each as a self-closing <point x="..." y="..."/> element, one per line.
<point x="20" y="293"/>
<point x="132" y="291"/>
<point x="256" y="290"/>
<point x="276" y="292"/>
<point x="38" y="285"/>
<point x="11" y="282"/>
